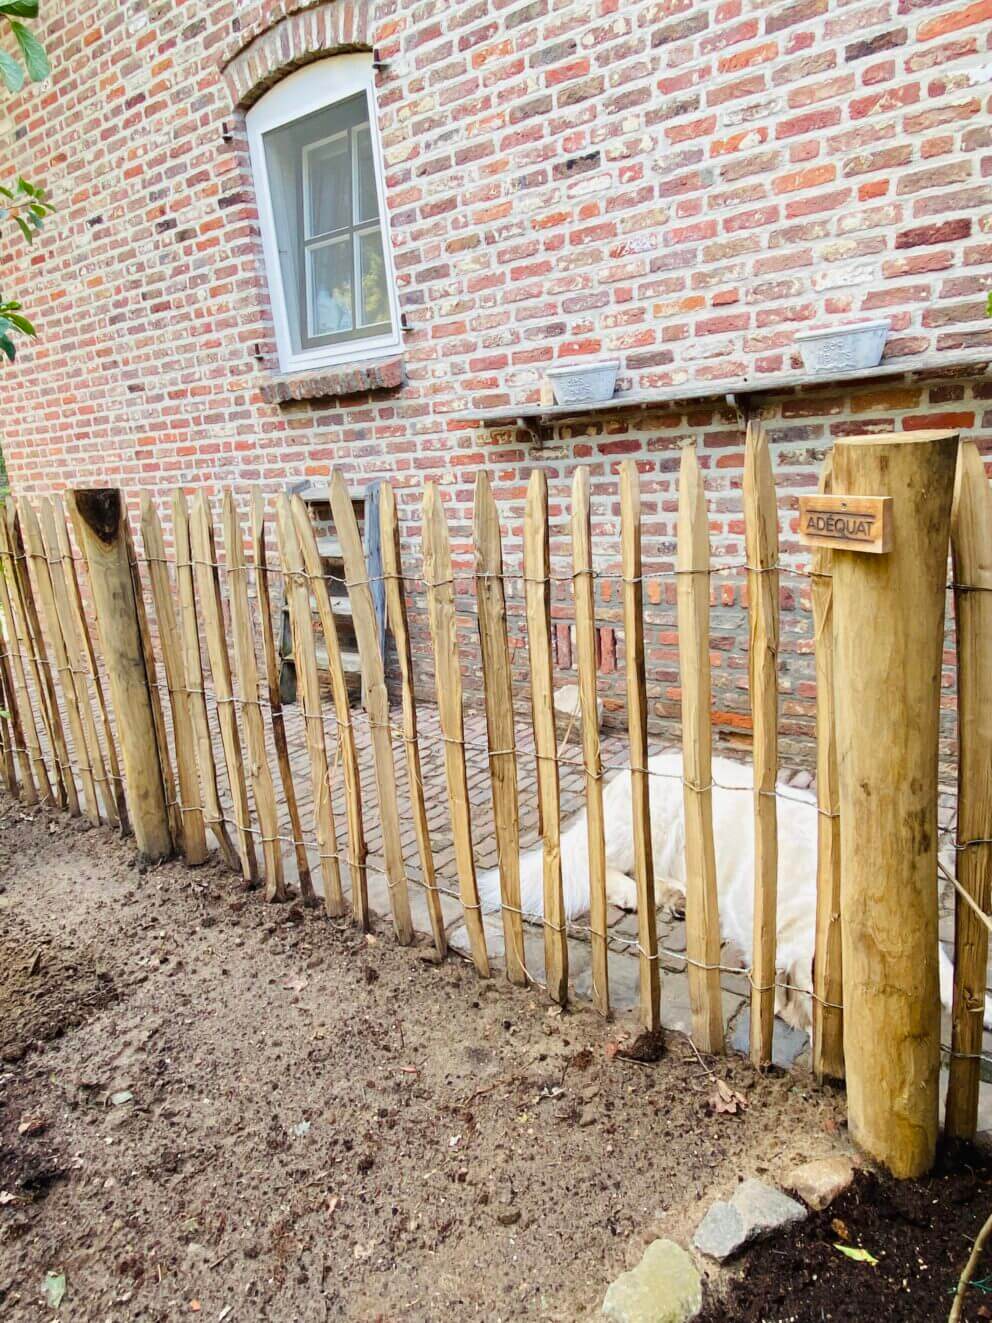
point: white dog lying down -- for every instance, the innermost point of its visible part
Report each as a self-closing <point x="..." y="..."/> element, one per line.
<point x="733" y="829"/>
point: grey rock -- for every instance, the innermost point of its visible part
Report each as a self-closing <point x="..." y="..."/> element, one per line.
<point x="755" y="1210"/>
<point x="788" y="1044"/>
<point x="819" y="1183"/>
<point x="663" y="1288"/>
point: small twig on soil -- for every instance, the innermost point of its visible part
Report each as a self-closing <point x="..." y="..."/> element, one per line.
<point x="969" y="1269"/>
<point x="488" y="1088"/>
<point x="695" y="1049"/>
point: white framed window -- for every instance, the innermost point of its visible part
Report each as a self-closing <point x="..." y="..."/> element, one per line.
<point x="317" y="164"/>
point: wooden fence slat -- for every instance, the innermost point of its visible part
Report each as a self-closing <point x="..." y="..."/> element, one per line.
<point x="357" y="847"/>
<point x="193" y="832"/>
<point x="637" y="720"/>
<point x="308" y="677"/>
<point x="828" y="983"/>
<point x="106" y="544"/>
<point x="82" y="626"/>
<point x="439" y="577"/>
<point x="27" y="663"/>
<point x="205" y="569"/>
<point x="537" y="576"/>
<point x="15" y="746"/>
<point x="263" y="788"/>
<point x="971" y="544"/>
<point x="498" y="688"/>
<point x="585" y="646"/>
<point x="39" y="781"/>
<point x="49" y="610"/>
<point x="702" y="911"/>
<point x="276" y="716"/>
<point x="761" y="540"/>
<point x="189" y="630"/>
<point x="76" y="656"/>
<point x="154" y="694"/>
<point x="392" y="568"/>
<point x="376" y="699"/>
<point x="68" y="795"/>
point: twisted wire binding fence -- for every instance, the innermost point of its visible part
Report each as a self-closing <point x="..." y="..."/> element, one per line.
<point x="220" y="726"/>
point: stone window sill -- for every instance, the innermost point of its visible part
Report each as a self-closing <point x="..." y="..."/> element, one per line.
<point x="387" y="374"/>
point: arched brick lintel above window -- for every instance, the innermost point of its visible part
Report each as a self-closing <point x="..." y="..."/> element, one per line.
<point x="308" y="32"/>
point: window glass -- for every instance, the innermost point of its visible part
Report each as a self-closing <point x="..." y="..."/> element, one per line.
<point x="325" y="204"/>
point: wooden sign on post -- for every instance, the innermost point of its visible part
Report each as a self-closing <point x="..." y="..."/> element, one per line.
<point x="846" y="523"/>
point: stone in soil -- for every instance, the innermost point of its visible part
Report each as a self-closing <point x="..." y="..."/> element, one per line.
<point x="788" y="1044"/>
<point x="819" y="1183"/>
<point x="664" y="1288"/>
<point x="754" y="1210"/>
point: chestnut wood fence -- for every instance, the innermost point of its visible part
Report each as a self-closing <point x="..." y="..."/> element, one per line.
<point x="85" y="724"/>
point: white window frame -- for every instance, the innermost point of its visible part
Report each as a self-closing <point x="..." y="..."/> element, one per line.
<point x="310" y="89"/>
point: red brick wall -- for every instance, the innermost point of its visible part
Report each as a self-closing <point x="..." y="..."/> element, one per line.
<point x="680" y="183"/>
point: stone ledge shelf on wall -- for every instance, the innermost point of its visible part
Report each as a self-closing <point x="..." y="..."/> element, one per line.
<point x="334" y="383"/>
<point x="532" y="416"/>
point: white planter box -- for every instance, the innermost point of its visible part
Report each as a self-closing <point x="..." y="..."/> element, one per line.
<point x="844" y="348"/>
<point x="584" y="383"/>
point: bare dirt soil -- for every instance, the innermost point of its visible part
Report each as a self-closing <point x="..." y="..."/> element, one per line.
<point x="212" y="1107"/>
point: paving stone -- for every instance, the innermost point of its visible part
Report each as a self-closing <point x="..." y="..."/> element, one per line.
<point x="819" y="1183"/>
<point x="665" y="1287"/>
<point x="754" y="1210"/>
<point x="788" y="1044"/>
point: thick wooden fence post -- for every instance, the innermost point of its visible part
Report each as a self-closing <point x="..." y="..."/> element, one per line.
<point x="106" y="546"/>
<point x="888" y="645"/>
<point x="761" y="537"/>
<point x="702" y="912"/>
<point x="828" y="986"/>
<point x="497" y="683"/>
<point x="971" y="543"/>
<point x="637" y="721"/>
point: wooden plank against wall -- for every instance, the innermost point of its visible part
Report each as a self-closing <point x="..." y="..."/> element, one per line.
<point x="262" y="571"/>
<point x="247" y="669"/>
<point x="106" y="544"/>
<point x="498" y="687"/>
<point x="22" y="694"/>
<point x="702" y="910"/>
<point x="828" y="983"/>
<point x="85" y="634"/>
<point x="357" y="847"/>
<point x="439" y="577"/>
<point x="49" y="610"/>
<point x="971" y="544"/>
<point x="305" y="655"/>
<point x="537" y="575"/>
<point x="68" y="795"/>
<point x="392" y="569"/>
<point x="17" y="750"/>
<point x="75" y="655"/>
<point x="585" y="642"/>
<point x="194" y="837"/>
<point x="205" y="570"/>
<point x="761" y="539"/>
<point x="637" y="720"/>
<point x="377" y="701"/>
<point x="190" y="636"/>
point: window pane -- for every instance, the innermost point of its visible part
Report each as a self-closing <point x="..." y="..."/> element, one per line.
<point x="329" y="281"/>
<point x="372" y="275"/>
<point x="366" y="200"/>
<point x="328" y="185"/>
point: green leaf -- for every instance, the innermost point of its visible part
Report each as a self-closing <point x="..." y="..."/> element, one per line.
<point x="988" y="304"/>
<point x="19" y="8"/>
<point x="858" y="1255"/>
<point x="11" y="72"/>
<point x="8" y="347"/>
<point x="24" y="227"/>
<point x="22" y="323"/>
<point x="33" y="52"/>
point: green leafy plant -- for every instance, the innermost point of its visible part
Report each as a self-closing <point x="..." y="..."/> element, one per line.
<point x="21" y="203"/>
